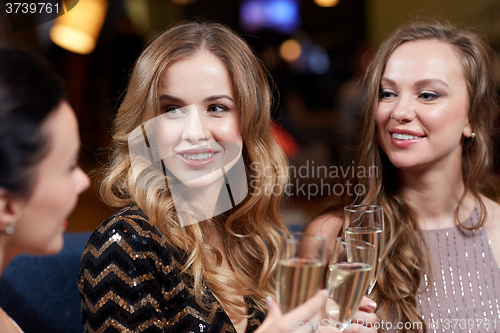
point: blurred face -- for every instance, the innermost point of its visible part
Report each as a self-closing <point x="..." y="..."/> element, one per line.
<point x="59" y="181"/>
<point x="422" y="113"/>
<point x="198" y="135"/>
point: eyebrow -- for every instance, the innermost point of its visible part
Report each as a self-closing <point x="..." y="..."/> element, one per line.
<point x="206" y="99"/>
<point x="424" y="82"/>
<point x="419" y="83"/>
<point x="384" y="79"/>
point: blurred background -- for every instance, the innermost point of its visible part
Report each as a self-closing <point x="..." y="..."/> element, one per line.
<point x="316" y="51"/>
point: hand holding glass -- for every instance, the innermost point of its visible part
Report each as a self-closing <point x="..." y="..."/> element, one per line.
<point x="300" y="269"/>
<point x="366" y="223"/>
<point x="349" y="274"/>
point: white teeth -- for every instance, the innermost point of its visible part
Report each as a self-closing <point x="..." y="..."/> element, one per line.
<point x="197" y="157"/>
<point x="404" y="136"/>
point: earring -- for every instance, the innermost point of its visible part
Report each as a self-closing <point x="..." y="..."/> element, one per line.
<point x="10" y="230"/>
<point x="472" y="135"/>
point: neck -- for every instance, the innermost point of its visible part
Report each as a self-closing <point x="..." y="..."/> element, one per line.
<point x="5" y="257"/>
<point x="436" y="194"/>
<point x="202" y="202"/>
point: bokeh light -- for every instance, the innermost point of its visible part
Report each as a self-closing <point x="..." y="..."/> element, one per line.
<point x="79" y="29"/>
<point x="318" y="60"/>
<point x="326" y="3"/>
<point x="290" y="50"/>
<point x="281" y="16"/>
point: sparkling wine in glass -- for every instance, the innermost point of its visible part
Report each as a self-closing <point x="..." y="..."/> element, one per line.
<point x="349" y="274"/>
<point x="366" y="223"/>
<point x="300" y="269"/>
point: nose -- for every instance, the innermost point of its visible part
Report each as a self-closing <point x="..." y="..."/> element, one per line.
<point x="82" y="182"/>
<point x="403" y="110"/>
<point x="193" y="127"/>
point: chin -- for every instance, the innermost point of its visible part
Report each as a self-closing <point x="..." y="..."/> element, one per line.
<point x="406" y="165"/>
<point x="401" y="161"/>
<point x="401" y="165"/>
<point x="204" y="181"/>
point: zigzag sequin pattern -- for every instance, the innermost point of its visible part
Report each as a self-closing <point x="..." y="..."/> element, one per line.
<point x="129" y="282"/>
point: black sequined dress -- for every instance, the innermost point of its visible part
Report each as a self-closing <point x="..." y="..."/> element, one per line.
<point x="130" y="282"/>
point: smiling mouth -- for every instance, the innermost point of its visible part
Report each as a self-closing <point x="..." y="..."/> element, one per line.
<point x="398" y="136"/>
<point x="198" y="157"/>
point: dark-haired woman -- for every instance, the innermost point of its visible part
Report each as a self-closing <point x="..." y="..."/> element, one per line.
<point x="39" y="176"/>
<point x="427" y="128"/>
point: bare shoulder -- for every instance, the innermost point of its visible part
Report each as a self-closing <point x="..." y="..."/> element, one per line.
<point x="492" y="225"/>
<point x="326" y="226"/>
<point x="493" y="210"/>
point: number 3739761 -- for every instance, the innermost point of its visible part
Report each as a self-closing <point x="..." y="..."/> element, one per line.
<point x="463" y="324"/>
<point x="32" y="8"/>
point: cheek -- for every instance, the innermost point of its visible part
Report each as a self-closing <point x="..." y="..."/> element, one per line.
<point x="444" y="121"/>
<point x="229" y="131"/>
<point x="382" y="114"/>
<point x="55" y="203"/>
<point x="381" y="120"/>
<point x="168" y="137"/>
<point x="64" y="199"/>
<point x="379" y="137"/>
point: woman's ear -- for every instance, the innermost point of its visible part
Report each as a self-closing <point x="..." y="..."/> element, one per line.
<point x="10" y="209"/>
<point x="467" y="132"/>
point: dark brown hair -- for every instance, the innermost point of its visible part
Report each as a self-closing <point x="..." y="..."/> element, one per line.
<point x="29" y="91"/>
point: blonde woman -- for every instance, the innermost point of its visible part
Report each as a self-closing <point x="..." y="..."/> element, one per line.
<point x="427" y="128"/>
<point x="195" y="247"/>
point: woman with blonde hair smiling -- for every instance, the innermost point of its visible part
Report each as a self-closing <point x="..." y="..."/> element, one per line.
<point x="191" y="250"/>
<point x="427" y="127"/>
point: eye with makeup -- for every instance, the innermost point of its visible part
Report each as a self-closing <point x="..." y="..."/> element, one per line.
<point x="385" y="94"/>
<point x="173" y="111"/>
<point x="217" y="109"/>
<point x="428" y="96"/>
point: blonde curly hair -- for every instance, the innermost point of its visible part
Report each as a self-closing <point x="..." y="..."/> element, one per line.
<point x="251" y="231"/>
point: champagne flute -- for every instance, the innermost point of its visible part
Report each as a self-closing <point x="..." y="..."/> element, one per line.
<point x="349" y="274"/>
<point x="366" y="223"/>
<point x="300" y="269"/>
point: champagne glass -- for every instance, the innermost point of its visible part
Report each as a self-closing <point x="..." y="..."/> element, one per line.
<point x="349" y="274"/>
<point x="366" y="223"/>
<point x="301" y="265"/>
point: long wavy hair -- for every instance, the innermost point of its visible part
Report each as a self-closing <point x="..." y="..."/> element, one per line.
<point x="404" y="259"/>
<point x="251" y="231"/>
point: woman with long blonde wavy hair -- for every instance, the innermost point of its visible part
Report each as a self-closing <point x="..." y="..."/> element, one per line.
<point x="427" y="128"/>
<point x="195" y="166"/>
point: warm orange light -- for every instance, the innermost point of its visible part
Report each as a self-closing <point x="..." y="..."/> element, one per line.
<point x="326" y="3"/>
<point x="78" y="29"/>
<point x="290" y="50"/>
